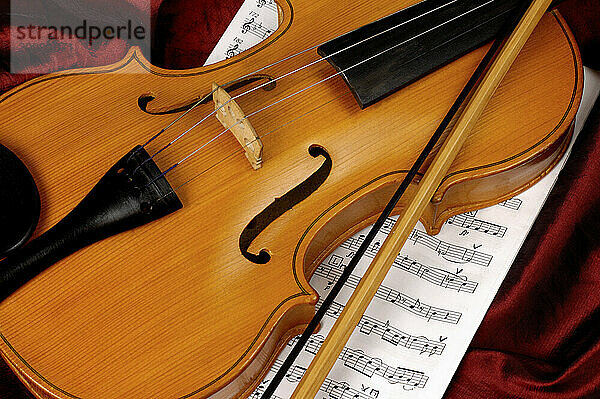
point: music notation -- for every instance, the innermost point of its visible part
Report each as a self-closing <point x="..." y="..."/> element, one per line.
<point x="334" y="389"/>
<point x="343" y="391"/>
<point x="255" y="21"/>
<point x="364" y="364"/>
<point x="256" y="28"/>
<point x="415" y="306"/>
<point x="513" y="203"/>
<point x="234" y="48"/>
<point x="390" y="295"/>
<point x="434" y="275"/>
<point x="502" y="231"/>
<point x="268" y="4"/>
<point x="372" y="326"/>
<point x="257" y="394"/>
<point x="387" y="226"/>
<point x="468" y="221"/>
<point x="437" y="276"/>
<point x="450" y="252"/>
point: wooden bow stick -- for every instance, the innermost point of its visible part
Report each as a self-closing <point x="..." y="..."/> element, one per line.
<point x="364" y="293"/>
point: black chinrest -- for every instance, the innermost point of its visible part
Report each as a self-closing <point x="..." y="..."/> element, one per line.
<point x="19" y="202"/>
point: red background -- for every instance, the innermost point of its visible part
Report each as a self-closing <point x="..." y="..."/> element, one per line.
<point x="541" y="336"/>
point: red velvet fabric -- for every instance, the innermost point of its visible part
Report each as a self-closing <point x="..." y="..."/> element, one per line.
<point x="541" y="336"/>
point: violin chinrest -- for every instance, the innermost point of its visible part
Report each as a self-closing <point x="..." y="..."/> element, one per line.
<point x="19" y="202"/>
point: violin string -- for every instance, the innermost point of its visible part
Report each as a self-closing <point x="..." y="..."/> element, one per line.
<point x="194" y="152"/>
<point x="230" y="82"/>
<point x="269" y="82"/>
<point x="471" y="85"/>
<point x="242" y="149"/>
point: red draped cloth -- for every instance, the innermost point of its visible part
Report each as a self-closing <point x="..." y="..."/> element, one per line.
<point x="541" y="336"/>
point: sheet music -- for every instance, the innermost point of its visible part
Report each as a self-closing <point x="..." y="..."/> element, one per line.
<point x="418" y="327"/>
<point x="255" y="21"/>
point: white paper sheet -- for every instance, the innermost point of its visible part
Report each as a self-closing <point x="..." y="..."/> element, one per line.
<point x="414" y="334"/>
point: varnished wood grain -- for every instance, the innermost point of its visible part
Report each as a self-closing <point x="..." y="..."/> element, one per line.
<point x="378" y="269"/>
<point x="172" y="309"/>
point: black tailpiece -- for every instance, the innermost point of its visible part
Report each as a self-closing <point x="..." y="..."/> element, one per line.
<point x="19" y="202"/>
<point x="121" y="201"/>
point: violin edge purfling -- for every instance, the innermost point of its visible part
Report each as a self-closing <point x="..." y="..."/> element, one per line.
<point x="164" y="276"/>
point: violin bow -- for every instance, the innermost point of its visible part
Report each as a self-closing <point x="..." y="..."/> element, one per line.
<point x="372" y="279"/>
<point x="483" y="83"/>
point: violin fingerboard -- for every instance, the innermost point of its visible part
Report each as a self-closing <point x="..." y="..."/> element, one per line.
<point x="382" y="57"/>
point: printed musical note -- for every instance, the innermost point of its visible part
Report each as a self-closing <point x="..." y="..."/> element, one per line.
<point x="334" y="389"/>
<point x="450" y="252"/>
<point x="255" y="21"/>
<point x="269" y="4"/>
<point x="433" y="275"/>
<point x="364" y="364"/>
<point x="395" y="297"/>
<point x="335" y="260"/>
<point x="468" y="221"/>
<point x="251" y="26"/>
<point x="257" y="394"/>
<point x="513" y="203"/>
<point x="372" y="326"/>
<point x="436" y="275"/>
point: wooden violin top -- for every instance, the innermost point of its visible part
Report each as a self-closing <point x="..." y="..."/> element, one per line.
<point x="173" y="309"/>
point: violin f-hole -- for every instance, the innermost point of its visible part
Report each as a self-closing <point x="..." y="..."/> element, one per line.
<point x="283" y="204"/>
<point x="145" y="99"/>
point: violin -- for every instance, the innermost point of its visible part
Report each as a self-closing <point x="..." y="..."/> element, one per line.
<point x="197" y="297"/>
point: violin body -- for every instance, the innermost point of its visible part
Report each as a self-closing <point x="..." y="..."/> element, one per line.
<point x="173" y="309"/>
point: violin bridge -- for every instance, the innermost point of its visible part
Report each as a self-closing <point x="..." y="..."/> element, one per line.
<point x="231" y="115"/>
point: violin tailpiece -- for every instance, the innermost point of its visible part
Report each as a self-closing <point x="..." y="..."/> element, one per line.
<point x="132" y="193"/>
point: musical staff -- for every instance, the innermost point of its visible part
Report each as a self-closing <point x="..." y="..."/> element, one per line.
<point x="390" y="295"/>
<point x="513" y="203"/>
<point x="434" y="275"/>
<point x="387" y="226"/>
<point x="468" y="221"/>
<point x="342" y="390"/>
<point x="360" y="362"/>
<point x="255" y="21"/>
<point x="372" y="326"/>
<point x="268" y="4"/>
<point x="232" y="50"/>
<point x="450" y="252"/>
<point x="437" y="276"/>
<point x="256" y="28"/>
<point x="334" y="389"/>
<point x="263" y="385"/>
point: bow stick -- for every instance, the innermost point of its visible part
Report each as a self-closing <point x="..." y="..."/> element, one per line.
<point x="372" y="279"/>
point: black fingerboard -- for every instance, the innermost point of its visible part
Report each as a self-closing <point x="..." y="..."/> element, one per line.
<point x="388" y="54"/>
